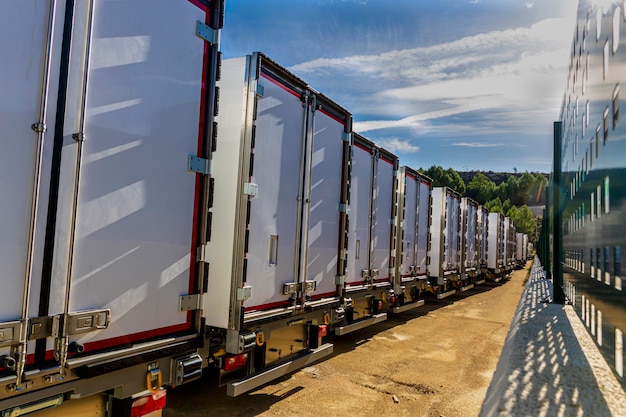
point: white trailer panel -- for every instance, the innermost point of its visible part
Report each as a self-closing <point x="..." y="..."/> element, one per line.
<point x="469" y="239"/>
<point x="103" y="220"/>
<point x="510" y="243"/>
<point x="521" y="253"/>
<point x="483" y="239"/>
<point x="414" y="219"/>
<point x="136" y="196"/>
<point x="445" y="236"/>
<point x="496" y="259"/>
<point x="279" y="176"/>
<point x="371" y="239"/>
<point x="29" y="84"/>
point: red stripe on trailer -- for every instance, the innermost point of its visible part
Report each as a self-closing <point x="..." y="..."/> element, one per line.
<point x="388" y="160"/>
<point x="198" y="4"/>
<point x="136" y="337"/>
<point x="382" y="280"/>
<point x="363" y="147"/>
<point x="332" y="116"/>
<point x="123" y="341"/>
<point x="267" y="306"/>
<point x="426" y="183"/>
<point x="281" y="85"/>
<point x="355" y="283"/>
<point x="326" y="294"/>
<point x="411" y="176"/>
<point x="201" y="129"/>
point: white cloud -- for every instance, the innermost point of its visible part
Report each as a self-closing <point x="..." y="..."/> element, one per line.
<point x="397" y="145"/>
<point x="477" y="144"/>
<point x="515" y="71"/>
<point x="529" y="4"/>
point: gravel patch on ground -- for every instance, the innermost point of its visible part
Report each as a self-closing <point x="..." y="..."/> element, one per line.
<point x="436" y="360"/>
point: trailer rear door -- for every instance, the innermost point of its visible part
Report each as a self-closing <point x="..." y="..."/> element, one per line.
<point x="423" y="225"/>
<point x="272" y="252"/>
<point x="410" y="226"/>
<point x="126" y="235"/>
<point x="372" y="213"/>
<point x="325" y="227"/>
<point x="28" y="81"/>
<point x="361" y="183"/>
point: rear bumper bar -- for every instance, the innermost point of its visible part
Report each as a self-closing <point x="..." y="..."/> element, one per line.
<point x="234" y="389"/>
<point x="408" y="306"/>
<point x="358" y="325"/>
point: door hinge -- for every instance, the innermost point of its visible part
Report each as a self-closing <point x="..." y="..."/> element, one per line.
<point x="340" y="280"/>
<point x="190" y="302"/>
<point x="199" y="165"/>
<point x="39" y="127"/>
<point x="250" y="189"/>
<point x="205" y="32"/>
<point x="260" y="90"/>
<point x="203" y="254"/>
<point x="244" y="293"/>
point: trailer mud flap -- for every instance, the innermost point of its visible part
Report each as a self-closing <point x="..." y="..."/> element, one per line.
<point x="234" y="389"/>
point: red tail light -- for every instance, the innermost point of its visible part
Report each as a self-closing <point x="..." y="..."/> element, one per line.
<point x="236" y="361"/>
<point x="145" y="405"/>
<point x="323" y="330"/>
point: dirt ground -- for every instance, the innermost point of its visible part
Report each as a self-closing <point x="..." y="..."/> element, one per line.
<point x="437" y="360"/>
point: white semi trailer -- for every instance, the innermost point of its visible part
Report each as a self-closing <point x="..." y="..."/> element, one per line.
<point x="521" y="252"/>
<point x="510" y="237"/>
<point x="413" y="240"/>
<point x="470" y="244"/>
<point x="106" y="113"/>
<point x="281" y="217"/>
<point x="483" y="234"/>
<point x="496" y="248"/>
<point x="371" y="235"/>
<point x="444" y="271"/>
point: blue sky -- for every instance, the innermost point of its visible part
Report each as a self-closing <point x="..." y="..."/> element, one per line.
<point x="467" y="84"/>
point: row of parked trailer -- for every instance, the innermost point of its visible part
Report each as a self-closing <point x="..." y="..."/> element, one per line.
<point x="140" y="247"/>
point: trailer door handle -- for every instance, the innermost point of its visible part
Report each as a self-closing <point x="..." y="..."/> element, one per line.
<point x="273" y="250"/>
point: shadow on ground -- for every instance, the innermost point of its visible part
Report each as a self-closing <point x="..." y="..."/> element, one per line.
<point x="543" y="370"/>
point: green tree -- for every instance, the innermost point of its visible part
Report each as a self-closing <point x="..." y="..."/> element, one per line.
<point x="537" y="191"/>
<point x="526" y="181"/>
<point x="494" y="206"/>
<point x="514" y="214"/>
<point x="501" y="191"/>
<point x="481" y="188"/>
<point x="506" y="206"/>
<point x="526" y="222"/>
<point x="513" y="190"/>
<point x="445" y="178"/>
